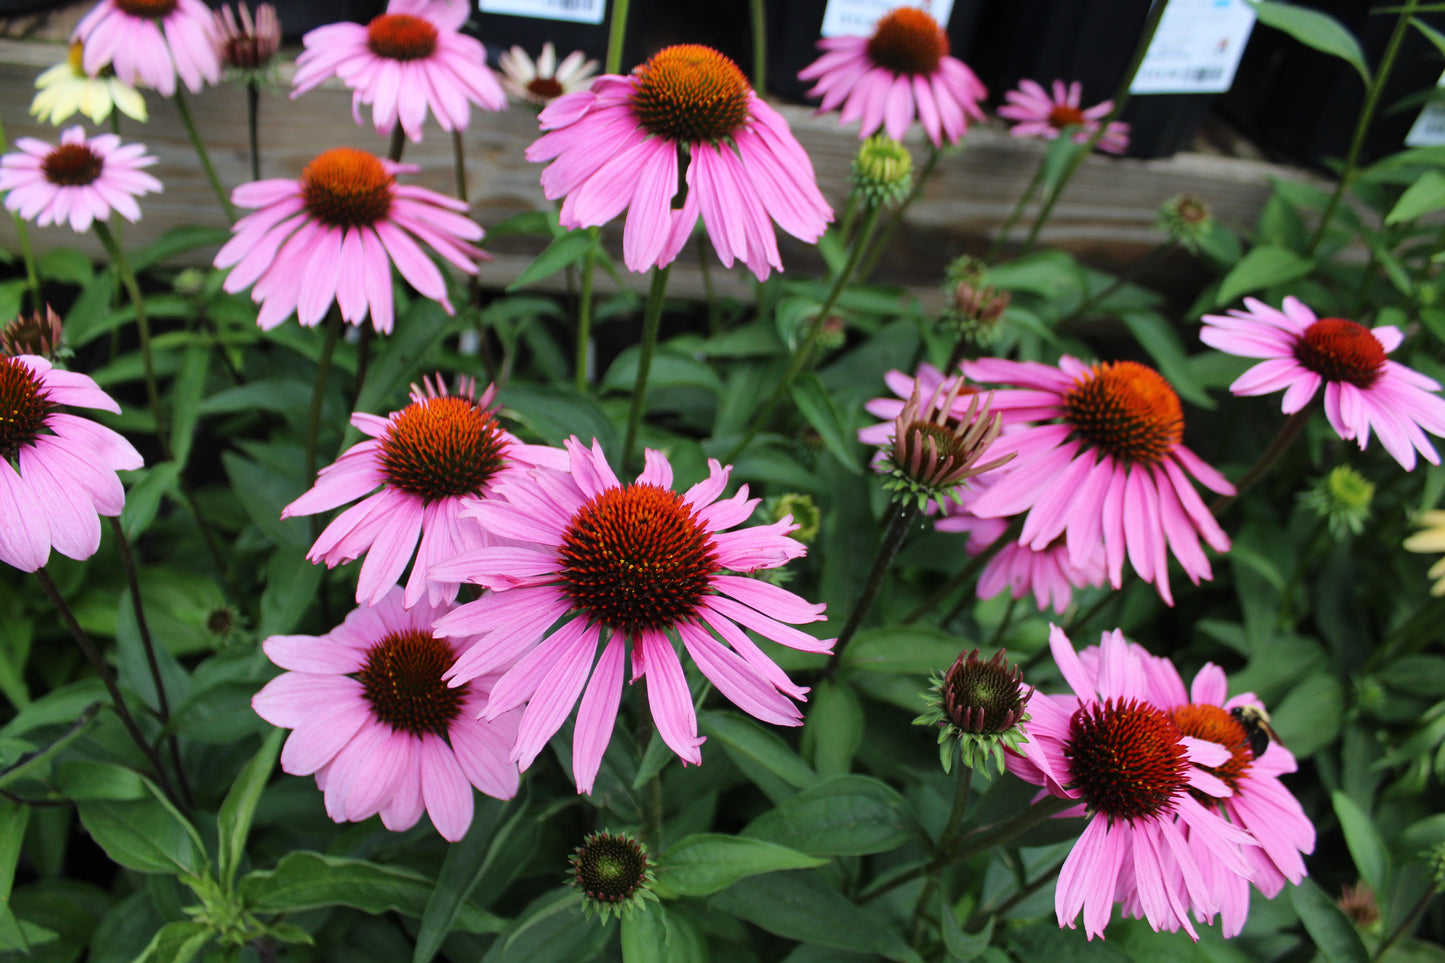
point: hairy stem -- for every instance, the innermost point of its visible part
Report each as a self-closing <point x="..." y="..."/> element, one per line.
<point x="893" y="536"/>
<point x="651" y="321"/>
<point x="199" y="146"/>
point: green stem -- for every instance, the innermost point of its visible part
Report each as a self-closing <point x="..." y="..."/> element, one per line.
<point x="1121" y="98"/>
<point x="1023" y="893"/>
<point x="896" y="218"/>
<point x="253" y="126"/>
<point x="1373" y="90"/>
<point x="584" y="311"/>
<point x="474" y="280"/>
<point x="893" y="537"/>
<point x="760" y="46"/>
<point x="651" y="321"/>
<point x="1084" y="618"/>
<point x="968" y="572"/>
<point x="1405" y="925"/>
<point x="962" y="787"/>
<point x="397" y="145"/>
<point x="1133" y="271"/>
<point x="616" y="35"/>
<point x="189" y="123"/>
<point x="714" y="317"/>
<point x="108" y="679"/>
<point x="1287" y="434"/>
<point x="802" y="356"/>
<point x="32" y="278"/>
<point x="1018" y="212"/>
<point x="1003" y="624"/>
<point x="143" y="329"/>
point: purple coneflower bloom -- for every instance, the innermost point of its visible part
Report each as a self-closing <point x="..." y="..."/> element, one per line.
<point x="152" y="42"/>
<point x="1040" y="114"/>
<point x="77" y="181"/>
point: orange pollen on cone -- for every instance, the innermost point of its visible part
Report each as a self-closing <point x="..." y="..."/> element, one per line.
<point x="72" y="165"/>
<point x="24" y="405"/>
<point x="402" y="679"/>
<point x="1127" y="759"/>
<point x="346" y="187"/>
<point x="637" y="558"/>
<point x="1214" y="724"/>
<point x="400" y="36"/>
<point x="690" y="93"/>
<point x="1065" y="116"/>
<point x="152" y="9"/>
<point x="1340" y="350"/>
<point x="1127" y="410"/>
<point x="908" y="41"/>
<point x="442" y="447"/>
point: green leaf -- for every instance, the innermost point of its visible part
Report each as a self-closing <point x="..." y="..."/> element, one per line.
<point x="233" y="822"/>
<point x="14" y="818"/>
<point x="176" y="943"/>
<point x="669" y="369"/>
<point x="78" y="779"/>
<point x="644" y="936"/>
<point x="263" y="494"/>
<point x="800" y="906"/>
<point x="1367" y="848"/>
<point x="66" y="265"/>
<point x="397" y="359"/>
<point x="563" y="252"/>
<point x="1335" y="937"/>
<point x="1309" y="717"/>
<point x="1261" y="267"/>
<point x="551" y="930"/>
<point x="1060" y="156"/>
<point x="1160" y="338"/>
<point x="146" y="835"/>
<point x="1313" y="29"/>
<point x="185" y="398"/>
<point x="754" y="748"/>
<point x="834" y="728"/>
<point x="39" y="757"/>
<point x="556" y="414"/>
<point x="843" y="816"/>
<point x="292" y="583"/>
<point x="817" y="406"/>
<point x="486" y="857"/>
<point x="178" y="240"/>
<point x="705" y="863"/>
<point x="1425" y="195"/>
<point x="144" y="497"/>
<point x="960" y="945"/>
<point x="904" y="651"/>
<point x="1429" y="33"/>
<point x="305" y="881"/>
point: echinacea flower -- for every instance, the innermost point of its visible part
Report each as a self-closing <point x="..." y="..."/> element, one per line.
<point x="1138" y="779"/>
<point x="977" y="708"/>
<point x="333" y="236"/>
<point x="901" y="70"/>
<point x="544" y="80"/>
<point x="1040" y="114"/>
<point x="78" y="181"/>
<point x="1431" y="538"/>
<point x="412" y="475"/>
<point x="411" y="59"/>
<point x="39" y="333"/>
<point x="934" y="451"/>
<point x="623" y="144"/>
<point x="1364" y="389"/>
<point x="1258" y="802"/>
<point x="1101" y="458"/>
<point x="929" y="382"/>
<point x="151" y="42"/>
<point x="248" y="44"/>
<point x="374" y="721"/>
<point x="613" y="872"/>
<point x="66" y="88"/>
<point x="631" y="567"/>
<point x="57" y="470"/>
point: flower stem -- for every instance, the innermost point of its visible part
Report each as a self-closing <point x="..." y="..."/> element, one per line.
<point x="163" y="707"/>
<point x="714" y="318"/>
<point x="474" y="280"/>
<point x="397" y="145"/>
<point x="1121" y="98"/>
<point x="893" y="536"/>
<point x="962" y="786"/>
<point x="1017" y="212"/>
<point x="651" y="321"/>
<point x="1129" y="274"/>
<point x="1373" y="90"/>
<point x="968" y="572"/>
<point x="802" y="356"/>
<point x="1287" y="434"/>
<point x="584" y="310"/>
<point x="189" y="123"/>
<point x="896" y="218"/>
<point x="760" y="45"/>
<point x="616" y="35"/>
<point x="108" y="679"/>
<point x="143" y="329"/>
<point x="253" y="126"/>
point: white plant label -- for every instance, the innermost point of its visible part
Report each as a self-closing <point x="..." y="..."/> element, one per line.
<point x="855" y="18"/>
<point x="1196" y="48"/>
<point x="576" y="11"/>
<point x="1429" y="128"/>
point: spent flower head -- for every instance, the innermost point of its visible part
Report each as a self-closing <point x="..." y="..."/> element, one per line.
<point x="39" y="333"/>
<point x="613" y="873"/>
<point x="1343" y="498"/>
<point x="930" y="455"/>
<point x="1357" y="901"/>
<point x="977" y="707"/>
<point x="882" y="172"/>
<point x="971" y="305"/>
<point x="1186" y="219"/>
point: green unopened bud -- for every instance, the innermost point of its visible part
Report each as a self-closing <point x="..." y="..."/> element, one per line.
<point x="1435" y="864"/>
<point x="39" y="334"/>
<point x="1343" y="498"/>
<point x="801" y="508"/>
<point x="977" y="707"/>
<point x="1186" y="219"/>
<point x="190" y="282"/>
<point x="613" y="873"/>
<point x="882" y="171"/>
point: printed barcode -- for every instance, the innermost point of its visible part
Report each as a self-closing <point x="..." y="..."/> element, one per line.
<point x="1205" y="73"/>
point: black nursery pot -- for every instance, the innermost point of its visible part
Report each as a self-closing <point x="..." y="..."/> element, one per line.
<point x="299" y="16"/>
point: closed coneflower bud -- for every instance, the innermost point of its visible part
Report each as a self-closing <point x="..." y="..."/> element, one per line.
<point x="1358" y="903"/>
<point x="1342" y="498"/>
<point x="39" y="334"/>
<point x="933" y="451"/>
<point x="613" y="873"/>
<point x="1186" y="219"/>
<point x="248" y="44"/>
<point x="977" y="707"/>
<point x="882" y="172"/>
<point x="972" y="306"/>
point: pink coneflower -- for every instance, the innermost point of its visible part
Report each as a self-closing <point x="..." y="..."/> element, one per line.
<point x="903" y="68"/>
<point x="1139" y="779"/>
<point x="1364" y="390"/>
<point x="77" y="180"/>
<point x="544" y="80"/>
<point x="1101" y="457"/>
<point x="426" y="459"/>
<point x="617" y="147"/>
<point x="632" y="567"/>
<point x="929" y="382"/>
<point x="151" y="42"/>
<point x="1048" y="573"/>
<point x="410" y="59"/>
<point x="380" y="728"/>
<point x="1041" y="115"/>
<point x="57" y="471"/>
<point x="1259" y="803"/>
<point x="334" y="234"/>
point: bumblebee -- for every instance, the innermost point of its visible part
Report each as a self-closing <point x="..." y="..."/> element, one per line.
<point x="1257" y="729"/>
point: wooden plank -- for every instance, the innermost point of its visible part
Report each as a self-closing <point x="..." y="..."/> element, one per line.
<point x="1106" y="217"/>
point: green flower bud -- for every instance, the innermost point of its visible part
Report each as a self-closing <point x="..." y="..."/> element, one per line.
<point x="882" y="172"/>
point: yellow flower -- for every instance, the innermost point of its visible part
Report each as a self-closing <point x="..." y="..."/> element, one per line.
<point x="65" y="89"/>
<point x="1431" y="538"/>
